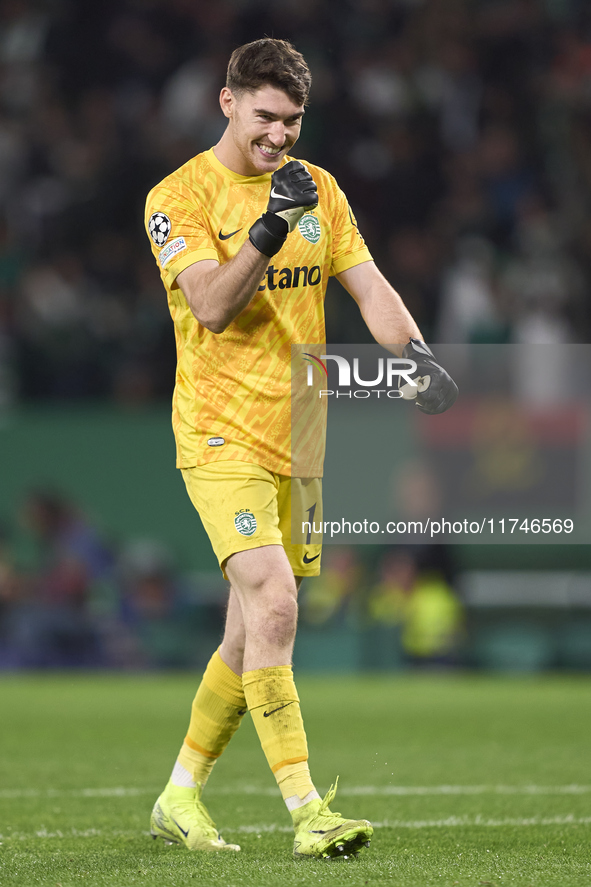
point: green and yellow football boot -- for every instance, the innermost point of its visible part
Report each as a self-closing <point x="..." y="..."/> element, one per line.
<point x="320" y="834"/>
<point x="180" y="817"/>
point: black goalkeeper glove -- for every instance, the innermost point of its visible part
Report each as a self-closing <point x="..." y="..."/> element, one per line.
<point x="293" y="192"/>
<point x="435" y="390"/>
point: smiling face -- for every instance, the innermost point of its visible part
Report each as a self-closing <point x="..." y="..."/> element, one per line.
<point x="262" y="128"/>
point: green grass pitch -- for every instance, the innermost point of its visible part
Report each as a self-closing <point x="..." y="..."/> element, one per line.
<point x="470" y="780"/>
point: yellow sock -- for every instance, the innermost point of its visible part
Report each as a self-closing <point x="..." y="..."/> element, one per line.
<point x="216" y="714"/>
<point x="274" y="704"/>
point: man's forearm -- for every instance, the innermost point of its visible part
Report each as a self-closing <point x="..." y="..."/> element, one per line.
<point x="387" y="317"/>
<point x="217" y="294"/>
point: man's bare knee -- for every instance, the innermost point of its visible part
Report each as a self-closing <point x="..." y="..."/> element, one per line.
<point x="266" y="589"/>
<point x="252" y="570"/>
<point x="271" y="612"/>
<point x="279" y="619"/>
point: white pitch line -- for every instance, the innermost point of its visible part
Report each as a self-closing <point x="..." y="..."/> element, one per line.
<point x="467" y="790"/>
<point x="484" y="821"/>
<point x="73" y="833"/>
<point x="478" y="821"/>
<point x="118" y="792"/>
<point x="423" y="790"/>
<point x="448" y="822"/>
<point x="366" y="790"/>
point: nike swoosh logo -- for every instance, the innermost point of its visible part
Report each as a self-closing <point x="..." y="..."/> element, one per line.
<point x="308" y="560"/>
<point x="185" y="833"/>
<point x="267" y="714"/>
<point x="275" y="193"/>
<point x="227" y="236"/>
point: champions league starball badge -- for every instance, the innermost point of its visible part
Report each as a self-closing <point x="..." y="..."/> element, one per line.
<point x="159" y="228"/>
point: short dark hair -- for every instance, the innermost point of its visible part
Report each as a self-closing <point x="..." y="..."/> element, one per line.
<point x="270" y="62"/>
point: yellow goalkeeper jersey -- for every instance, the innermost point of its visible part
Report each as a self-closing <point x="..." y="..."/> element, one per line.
<point x="232" y="394"/>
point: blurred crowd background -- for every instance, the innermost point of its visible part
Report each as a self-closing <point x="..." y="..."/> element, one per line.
<point x="72" y="596"/>
<point x="76" y="598"/>
<point x="460" y="131"/>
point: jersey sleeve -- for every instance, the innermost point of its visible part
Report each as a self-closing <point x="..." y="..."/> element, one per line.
<point x="178" y="234"/>
<point x="349" y="247"/>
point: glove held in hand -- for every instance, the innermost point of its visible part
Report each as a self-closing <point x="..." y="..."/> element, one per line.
<point x="268" y="234"/>
<point x="436" y="390"/>
<point x="293" y="192"/>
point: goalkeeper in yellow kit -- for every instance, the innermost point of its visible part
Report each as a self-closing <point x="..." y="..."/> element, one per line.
<point x="246" y="239"/>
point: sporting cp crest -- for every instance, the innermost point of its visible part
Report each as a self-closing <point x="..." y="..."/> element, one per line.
<point x="245" y="522"/>
<point x="309" y="227"/>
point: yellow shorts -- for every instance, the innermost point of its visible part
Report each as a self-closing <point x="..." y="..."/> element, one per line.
<point x="244" y="506"/>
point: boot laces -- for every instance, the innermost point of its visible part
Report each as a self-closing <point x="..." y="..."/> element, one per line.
<point x="203" y="812"/>
<point x="327" y="801"/>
